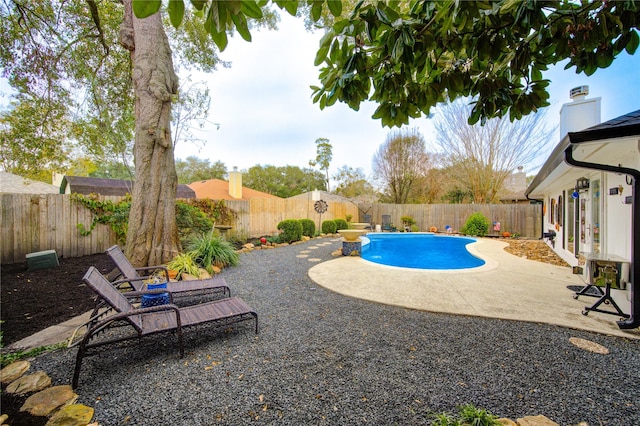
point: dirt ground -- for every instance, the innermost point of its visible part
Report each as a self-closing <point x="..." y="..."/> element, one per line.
<point x="34" y="300"/>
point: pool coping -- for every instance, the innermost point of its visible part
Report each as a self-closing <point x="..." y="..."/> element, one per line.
<point x="513" y="288"/>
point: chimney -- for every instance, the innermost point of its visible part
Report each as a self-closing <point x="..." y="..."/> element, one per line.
<point x="579" y="114"/>
<point x="235" y="183"/>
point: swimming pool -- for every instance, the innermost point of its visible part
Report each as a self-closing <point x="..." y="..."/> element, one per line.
<point x="419" y="251"/>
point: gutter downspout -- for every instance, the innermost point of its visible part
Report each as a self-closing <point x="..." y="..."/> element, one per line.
<point x="634" y="320"/>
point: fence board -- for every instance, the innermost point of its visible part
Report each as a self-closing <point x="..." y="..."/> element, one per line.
<point x="41" y="222"/>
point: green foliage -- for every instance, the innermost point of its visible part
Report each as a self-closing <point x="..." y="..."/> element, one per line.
<point x="211" y="250"/>
<point x="407" y="220"/>
<point x="468" y="415"/>
<point x="191" y="221"/>
<point x="329" y="227"/>
<point x="308" y="227"/>
<point x="476" y="225"/>
<point x="341" y="224"/>
<point x="284" y="181"/>
<point x="193" y="216"/>
<point x="184" y="263"/>
<point x="348" y="217"/>
<point x="194" y="169"/>
<point x="323" y="157"/>
<point x="116" y="215"/>
<point x="7" y="358"/>
<point x="291" y="230"/>
<point x="236" y="238"/>
<point x="222" y="16"/>
<point x="217" y="211"/>
<point x="409" y="58"/>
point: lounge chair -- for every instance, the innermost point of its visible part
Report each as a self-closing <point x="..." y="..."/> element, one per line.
<point x="367" y="220"/>
<point x="141" y="322"/>
<point x="135" y="278"/>
<point x="386" y="223"/>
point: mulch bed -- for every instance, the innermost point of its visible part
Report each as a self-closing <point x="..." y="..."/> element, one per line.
<point x="34" y="300"/>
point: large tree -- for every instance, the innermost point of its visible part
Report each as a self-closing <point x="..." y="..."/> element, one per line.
<point x="193" y="169"/>
<point x="323" y="158"/>
<point x="67" y="53"/>
<point x="400" y="162"/>
<point x="285" y="181"/>
<point x="410" y="56"/>
<point x="352" y="183"/>
<point x="480" y="158"/>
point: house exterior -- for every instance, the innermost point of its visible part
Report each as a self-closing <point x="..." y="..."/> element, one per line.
<point x="588" y="187"/>
<point x="218" y="189"/>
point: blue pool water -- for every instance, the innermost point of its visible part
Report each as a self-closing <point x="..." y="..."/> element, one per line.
<point x="421" y="251"/>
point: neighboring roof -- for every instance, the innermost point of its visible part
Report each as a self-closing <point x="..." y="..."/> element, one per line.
<point x="90" y="185"/>
<point x="623" y="126"/>
<point x="514" y="196"/>
<point x="14" y="184"/>
<point x="218" y="189"/>
<point x="324" y="195"/>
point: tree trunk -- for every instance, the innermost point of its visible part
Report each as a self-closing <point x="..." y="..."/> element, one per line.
<point x="152" y="237"/>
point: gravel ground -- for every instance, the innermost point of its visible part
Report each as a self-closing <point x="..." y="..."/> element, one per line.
<point x="322" y="358"/>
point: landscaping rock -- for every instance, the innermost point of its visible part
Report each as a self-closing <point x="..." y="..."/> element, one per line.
<point x="72" y="415"/>
<point x="30" y="383"/>
<point x="3" y="419"/>
<point x="538" y="420"/>
<point x="534" y="250"/>
<point x="588" y="345"/>
<point x="14" y="370"/>
<point x="47" y="401"/>
<point x="506" y="422"/>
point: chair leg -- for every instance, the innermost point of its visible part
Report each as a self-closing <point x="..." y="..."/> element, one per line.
<point x="76" y="371"/>
<point x="255" y="315"/>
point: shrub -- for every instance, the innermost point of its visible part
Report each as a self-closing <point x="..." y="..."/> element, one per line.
<point x="477" y="225"/>
<point x="308" y="227"/>
<point x="329" y="227"/>
<point x="407" y="220"/>
<point x="467" y="415"/>
<point x="341" y="224"/>
<point x="184" y="263"/>
<point x="211" y="250"/>
<point x="291" y="230"/>
<point x="191" y="221"/>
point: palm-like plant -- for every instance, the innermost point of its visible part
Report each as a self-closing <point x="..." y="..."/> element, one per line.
<point x="212" y="250"/>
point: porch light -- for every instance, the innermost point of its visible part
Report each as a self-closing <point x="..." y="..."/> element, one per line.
<point x="582" y="183"/>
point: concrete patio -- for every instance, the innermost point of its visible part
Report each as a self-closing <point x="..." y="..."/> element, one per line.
<point x="506" y="287"/>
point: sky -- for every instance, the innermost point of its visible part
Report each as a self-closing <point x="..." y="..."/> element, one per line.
<point x="264" y="106"/>
<point x="262" y="111"/>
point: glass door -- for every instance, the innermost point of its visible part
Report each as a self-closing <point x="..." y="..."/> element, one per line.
<point x="595" y="215"/>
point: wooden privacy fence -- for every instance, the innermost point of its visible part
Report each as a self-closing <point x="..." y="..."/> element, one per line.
<point x="31" y="223"/>
<point x="524" y="219"/>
